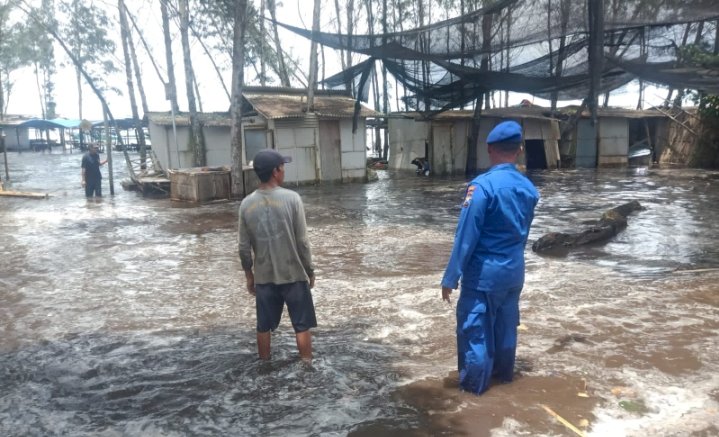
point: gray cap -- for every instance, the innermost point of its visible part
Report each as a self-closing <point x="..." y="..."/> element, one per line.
<point x="267" y="160"/>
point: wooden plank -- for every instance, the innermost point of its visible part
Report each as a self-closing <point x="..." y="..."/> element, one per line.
<point x="23" y="194"/>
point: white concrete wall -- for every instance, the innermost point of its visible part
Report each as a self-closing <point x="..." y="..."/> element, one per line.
<point x="217" y="146"/>
<point x="406" y="142"/>
<point x="298" y="138"/>
<point x="613" y="141"/>
<point x="163" y="144"/>
<point x="353" y="150"/>
<point x="11" y="138"/>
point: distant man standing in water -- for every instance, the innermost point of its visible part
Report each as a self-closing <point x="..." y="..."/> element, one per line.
<point x="272" y="226"/>
<point x="488" y="256"/>
<point x="91" y="176"/>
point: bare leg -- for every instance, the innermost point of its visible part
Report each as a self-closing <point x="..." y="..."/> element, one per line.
<point x="304" y="344"/>
<point x="263" y="345"/>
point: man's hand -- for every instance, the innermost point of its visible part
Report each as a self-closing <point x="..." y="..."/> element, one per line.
<point x="312" y="281"/>
<point x="446" y="291"/>
<point x="82" y="183"/>
<point x="250" y="277"/>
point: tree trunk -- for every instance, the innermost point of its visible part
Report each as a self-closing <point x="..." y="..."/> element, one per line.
<point x="210" y="56"/>
<point x="147" y="50"/>
<point x="339" y="31"/>
<point x="196" y="137"/>
<point x="312" y="82"/>
<point x="171" y="85"/>
<point x="138" y="78"/>
<point x="596" y="53"/>
<point x="472" y="147"/>
<point x="385" y="99"/>
<point x="198" y="96"/>
<point x="136" y="69"/>
<point x="263" y="67"/>
<point x="565" y="10"/>
<point x="78" y="79"/>
<point x="700" y="30"/>
<point x="39" y="91"/>
<point x="284" y="75"/>
<point x="78" y="67"/>
<point x="238" y="77"/>
<point x="486" y="48"/>
<point x="612" y="222"/>
<point x="125" y="37"/>
<point x="350" y="29"/>
<point x="642" y="53"/>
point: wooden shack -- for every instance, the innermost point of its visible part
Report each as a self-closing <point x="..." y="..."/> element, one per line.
<point x="616" y="133"/>
<point x="321" y="142"/>
<point x="443" y="139"/>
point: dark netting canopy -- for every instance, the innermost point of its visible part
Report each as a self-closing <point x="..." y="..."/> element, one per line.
<point x="517" y="45"/>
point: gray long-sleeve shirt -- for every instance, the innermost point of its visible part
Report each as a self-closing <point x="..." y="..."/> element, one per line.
<point x="272" y="225"/>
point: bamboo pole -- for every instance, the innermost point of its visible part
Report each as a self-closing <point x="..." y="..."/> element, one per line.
<point x="564" y="421"/>
<point x="24" y="194"/>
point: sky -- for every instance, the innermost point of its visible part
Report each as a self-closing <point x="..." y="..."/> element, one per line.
<point x="25" y="100"/>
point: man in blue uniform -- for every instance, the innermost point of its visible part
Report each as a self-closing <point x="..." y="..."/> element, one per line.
<point x="488" y="256"/>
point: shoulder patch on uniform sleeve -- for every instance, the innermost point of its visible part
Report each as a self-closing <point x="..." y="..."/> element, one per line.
<point x="468" y="196"/>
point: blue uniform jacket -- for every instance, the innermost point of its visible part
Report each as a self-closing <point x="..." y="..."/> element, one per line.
<point x="488" y="252"/>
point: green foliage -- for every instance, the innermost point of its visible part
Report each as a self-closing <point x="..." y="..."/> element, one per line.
<point x="707" y="149"/>
<point x="37" y="47"/>
<point x="696" y="56"/>
<point x="213" y="20"/>
<point x="12" y="55"/>
<point x="85" y="31"/>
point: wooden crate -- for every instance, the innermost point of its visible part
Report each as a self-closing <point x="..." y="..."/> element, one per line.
<point x="200" y="185"/>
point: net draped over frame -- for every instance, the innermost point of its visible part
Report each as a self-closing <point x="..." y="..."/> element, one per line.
<point x="505" y="46"/>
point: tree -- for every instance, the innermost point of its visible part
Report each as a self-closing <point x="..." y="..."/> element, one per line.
<point x="38" y="47"/>
<point x="125" y="37"/>
<point x="12" y="57"/>
<point x="171" y="85"/>
<point x="238" y="78"/>
<point x="312" y="82"/>
<point x="85" y="34"/>
<point x="197" y="141"/>
<point x="282" y="66"/>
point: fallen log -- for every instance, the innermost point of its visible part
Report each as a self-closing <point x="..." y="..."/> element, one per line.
<point x="611" y="223"/>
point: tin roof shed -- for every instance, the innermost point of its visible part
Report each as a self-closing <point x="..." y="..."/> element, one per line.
<point x="279" y="103"/>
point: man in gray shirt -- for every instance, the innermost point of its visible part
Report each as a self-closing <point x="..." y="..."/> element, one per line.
<point x="272" y="226"/>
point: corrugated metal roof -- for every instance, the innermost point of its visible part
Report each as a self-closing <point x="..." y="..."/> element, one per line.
<point x="12" y="121"/>
<point x="276" y="103"/>
<point x="534" y="112"/>
<point x="281" y="105"/>
<point x="183" y="118"/>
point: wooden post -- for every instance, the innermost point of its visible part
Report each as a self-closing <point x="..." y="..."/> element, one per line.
<point x="108" y="150"/>
<point x="4" y="152"/>
<point x="649" y="140"/>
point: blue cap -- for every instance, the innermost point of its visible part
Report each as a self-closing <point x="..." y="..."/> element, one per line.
<point x="505" y="132"/>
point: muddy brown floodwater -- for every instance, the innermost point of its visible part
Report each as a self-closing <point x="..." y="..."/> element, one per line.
<point x="129" y="316"/>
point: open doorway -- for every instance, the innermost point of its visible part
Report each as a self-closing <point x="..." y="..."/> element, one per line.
<point x="534" y="153"/>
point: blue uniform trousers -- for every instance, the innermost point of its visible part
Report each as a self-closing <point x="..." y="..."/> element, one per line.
<point x="486" y="336"/>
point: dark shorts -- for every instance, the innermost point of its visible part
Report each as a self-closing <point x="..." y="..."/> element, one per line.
<point x="271" y="299"/>
<point x="93" y="187"/>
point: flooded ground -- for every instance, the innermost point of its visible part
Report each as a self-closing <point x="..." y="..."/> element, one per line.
<point x="129" y="316"/>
